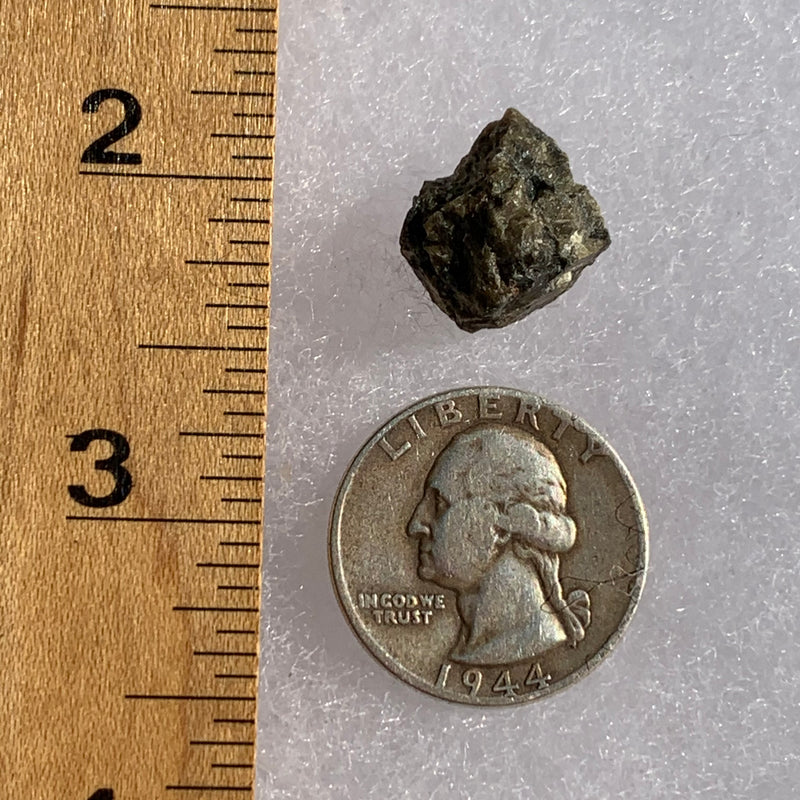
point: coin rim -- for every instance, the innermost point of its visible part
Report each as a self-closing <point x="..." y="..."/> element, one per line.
<point x="386" y="660"/>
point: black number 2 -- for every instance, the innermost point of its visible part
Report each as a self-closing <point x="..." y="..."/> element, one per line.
<point x="112" y="464"/>
<point x="96" y="152"/>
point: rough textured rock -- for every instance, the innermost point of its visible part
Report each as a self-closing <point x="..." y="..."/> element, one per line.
<point x="507" y="232"/>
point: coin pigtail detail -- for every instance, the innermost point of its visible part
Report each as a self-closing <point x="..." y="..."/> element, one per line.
<point x="538" y="536"/>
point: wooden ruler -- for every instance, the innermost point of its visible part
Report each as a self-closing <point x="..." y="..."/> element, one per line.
<point x="137" y="146"/>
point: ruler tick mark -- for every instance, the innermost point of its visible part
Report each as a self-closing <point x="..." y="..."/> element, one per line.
<point x="174" y="176"/>
<point x="189" y="7"/>
<point x="206" y="262"/>
<point x="237" y="305"/>
<point x="223" y="742"/>
<point x="222" y="434"/>
<point x="187" y="788"/>
<point x="235" y="588"/>
<point x="211" y="697"/>
<point x="241" y="136"/>
<point x="230" y="93"/>
<point x="239" y="544"/>
<point x="232" y="631"/>
<point x="242" y="676"/>
<point x="166" y="520"/>
<point x="202" y="347"/>
<point x="225" y="653"/>
<point x="245" y="52"/>
<point x="240" y="478"/>
<point x="221" y="609"/>
<point x="239" y="500"/>
<point x="239" y="220"/>
<point x="255" y="392"/>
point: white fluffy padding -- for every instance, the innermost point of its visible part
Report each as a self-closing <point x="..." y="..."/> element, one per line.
<point x="680" y="344"/>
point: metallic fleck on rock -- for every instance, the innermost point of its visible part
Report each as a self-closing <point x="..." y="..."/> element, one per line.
<point x="507" y="232"/>
<point x="487" y="546"/>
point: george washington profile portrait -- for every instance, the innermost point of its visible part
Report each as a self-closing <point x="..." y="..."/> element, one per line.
<point x="491" y="525"/>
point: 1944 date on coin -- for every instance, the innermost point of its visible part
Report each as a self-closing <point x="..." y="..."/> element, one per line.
<point x="487" y="546"/>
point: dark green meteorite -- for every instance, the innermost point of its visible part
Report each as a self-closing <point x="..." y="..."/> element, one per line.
<point x="507" y="232"/>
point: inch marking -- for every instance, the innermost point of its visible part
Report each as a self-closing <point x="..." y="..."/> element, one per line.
<point x="245" y="52"/>
<point x="225" y="631"/>
<point x="186" y="7"/>
<point x="241" y="136"/>
<point x="239" y="544"/>
<point x="230" y="93"/>
<point x="178" y="520"/>
<point x="223" y="742"/>
<point x="256" y="392"/>
<point x="209" y="788"/>
<point x="210" y="697"/>
<point x="241" y="478"/>
<point x="234" y="675"/>
<point x="226" y="609"/>
<point x="250" y="200"/>
<point x="211" y="263"/>
<point x="172" y="176"/>
<point x="222" y="434"/>
<point x="237" y="588"/>
<point x="240" y="220"/>
<point x="252" y="371"/>
<point x="240" y="500"/>
<point x="255" y="72"/>
<point x="227" y="565"/>
<point x="247" y="327"/>
<point x="209" y="348"/>
<point x="258" y="116"/>
<point x="223" y="653"/>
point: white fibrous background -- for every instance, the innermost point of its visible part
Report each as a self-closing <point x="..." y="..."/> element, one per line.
<point x="680" y="345"/>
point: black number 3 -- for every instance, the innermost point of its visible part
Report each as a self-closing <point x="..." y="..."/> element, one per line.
<point x="96" y="152"/>
<point x="112" y="464"/>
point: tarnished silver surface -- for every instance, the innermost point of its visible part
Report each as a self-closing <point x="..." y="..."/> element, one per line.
<point x="487" y="546"/>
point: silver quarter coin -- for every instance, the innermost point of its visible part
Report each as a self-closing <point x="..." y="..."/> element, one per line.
<point x="488" y="547"/>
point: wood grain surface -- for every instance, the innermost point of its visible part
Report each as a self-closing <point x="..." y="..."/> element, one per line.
<point x="135" y="301"/>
